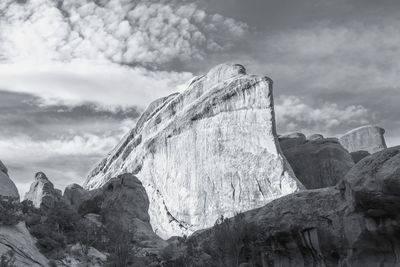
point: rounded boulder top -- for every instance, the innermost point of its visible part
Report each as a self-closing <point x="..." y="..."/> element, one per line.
<point x="7" y="186"/>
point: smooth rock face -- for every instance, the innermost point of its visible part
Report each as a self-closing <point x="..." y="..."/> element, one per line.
<point x="42" y="192"/>
<point x="318" y="163"/>
<point x="18" y="240"/>
<point x="208" y="151"/>
<point x="7" y="186"/>
<point x="355" y="224"/>
<point x="123" y="201"/>
<point x="74" y="195"/>
<point x="368" y="138"/>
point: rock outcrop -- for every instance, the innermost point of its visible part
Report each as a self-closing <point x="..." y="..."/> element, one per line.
<point x="123" y="201"/>
<point x="368" y="138"/>
<point x="291" y="140"/>
<point x="74" y="195"/>
<point x="208" y="151"/>
<point x="317" y="163"/>
<point x="18" y="240"/>
<point x="7" y="186"/>
<point x="359" y="155"/>
<point x="354" y="224"/>
<point x="42" y="192"/>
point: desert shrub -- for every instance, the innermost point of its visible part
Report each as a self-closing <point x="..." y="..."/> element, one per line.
<point x="7" y="259"/>
<point x="120" y="246"/>
<point x="92" y="205"/>
<point x="233" y="237"/>
<point x="10" y="212"/>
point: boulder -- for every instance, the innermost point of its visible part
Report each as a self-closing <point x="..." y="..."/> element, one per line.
<point x="319" y="163"/>
<point x="368" y="138"/>
<point x="42" y="192"/>
<point x="74" y="195"/>
<point x="211" y="150"/>
<point x="7" y="186"/>
<point x="291" y="140"/>
<point x="315" y="137"/>
<point x="123" y="202"/>
<point x="356" y="223"/>
<point x="359" y="155"/>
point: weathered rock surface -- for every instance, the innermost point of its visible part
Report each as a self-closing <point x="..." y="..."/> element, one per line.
<point x="318" y="163"/>
<point x="315" y="137"/>
<point x="74" y="195"/>
<point x="18" y="240"/>
<point x="208" y="151"/>
<point x="42" y="192"/>
<point x="123" y="201"/>
<point x="368" y="138"/>
<point x="7" y="186"/>
<point x="354" y="224"/>
<point x="359" y="155"/>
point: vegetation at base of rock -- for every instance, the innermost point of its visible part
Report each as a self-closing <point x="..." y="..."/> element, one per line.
<point x="10" y="212"/>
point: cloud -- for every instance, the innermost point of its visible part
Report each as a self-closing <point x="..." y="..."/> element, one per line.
<point x="147" y="33"/>
<point x="293" y="114"/>
<point x="78" y="82"/>
<point x="66" y="160"/>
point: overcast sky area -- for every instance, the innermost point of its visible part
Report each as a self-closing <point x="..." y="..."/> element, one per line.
<point x="75" y="75"/>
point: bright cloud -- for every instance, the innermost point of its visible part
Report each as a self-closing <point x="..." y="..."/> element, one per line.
<point x="127" y="32"/>
<point x="293" y="114"/>
<point x="80" y="81"/>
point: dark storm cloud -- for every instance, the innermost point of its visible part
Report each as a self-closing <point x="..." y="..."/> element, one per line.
<point x="24" y="114"/>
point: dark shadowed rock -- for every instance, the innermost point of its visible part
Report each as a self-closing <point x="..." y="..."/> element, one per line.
<point x="359" y="155"/>
<point x="74" y="195"/>
<point x="374" y="183"/>
<point x="369" y="138"/>
<point x="42" y="192"/>
<point x="290" y="140"/>
<point x="354" y="224"/>
<point x="7" y="186"/>
<point x="123" y="201"/>
<point x="318" y="163"/>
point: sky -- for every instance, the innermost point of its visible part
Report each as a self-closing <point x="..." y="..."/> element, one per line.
<point x="75" y="75"/>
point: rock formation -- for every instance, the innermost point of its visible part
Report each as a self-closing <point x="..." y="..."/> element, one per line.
<point x="18" y="240"/>
<point x="208" y="151"/>
<point x="355" y="224"/>
<point x="359" y="155"/>
<point x="7" y="186"/>
<point x="291" y="140"/>
<point x="317" y="163"/>
<point x="74" y="195"/>
<point x="42" y="192"/>
<point x="368" y="138"/>
<point x="123" y="201"/>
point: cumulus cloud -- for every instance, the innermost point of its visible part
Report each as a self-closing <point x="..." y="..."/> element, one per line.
<point x="293" y="114"/>
<point x="148" y="33"/>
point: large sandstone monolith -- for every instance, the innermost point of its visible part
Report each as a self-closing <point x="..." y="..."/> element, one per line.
<point x="211" y="150"/>
<point x="367" y="138"/>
